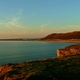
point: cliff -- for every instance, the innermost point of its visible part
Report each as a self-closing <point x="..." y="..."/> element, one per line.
<point x="70" y="35"/>
<point x="69" y="50"/>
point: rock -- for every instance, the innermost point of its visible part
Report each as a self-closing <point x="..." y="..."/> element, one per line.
<point x="70" y="50"/>
<point x="3" y="70"/>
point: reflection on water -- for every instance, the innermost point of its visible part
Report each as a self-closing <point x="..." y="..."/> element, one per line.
<point x="14" y="51"/>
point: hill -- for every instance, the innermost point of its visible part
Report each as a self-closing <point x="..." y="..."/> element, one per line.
<point x="65" y="68"/>
<point x="70" y="35"/>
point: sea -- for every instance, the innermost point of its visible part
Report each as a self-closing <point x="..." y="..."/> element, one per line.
<point x="22" y="51"/>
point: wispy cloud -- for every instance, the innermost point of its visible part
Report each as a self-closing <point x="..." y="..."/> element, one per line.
<point x="13" y="22"/>
<point x="16" y="27"/>
<point x="43" y="27"/>
<point x="13" y="25"/>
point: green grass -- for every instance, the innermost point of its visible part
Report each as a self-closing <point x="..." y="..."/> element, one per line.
<point x="66" y="68"/>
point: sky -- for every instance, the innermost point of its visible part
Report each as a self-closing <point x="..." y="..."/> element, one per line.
<point x="38" y="18"/>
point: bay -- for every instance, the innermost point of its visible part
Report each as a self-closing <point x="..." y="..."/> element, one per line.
<point x="20" y="51"/>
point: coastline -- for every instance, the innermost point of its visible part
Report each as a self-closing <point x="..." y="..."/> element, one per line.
<point x="45" y="69"/>
<point x="55" y="40"/>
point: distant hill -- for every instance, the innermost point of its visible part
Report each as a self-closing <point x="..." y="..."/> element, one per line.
<point x="70" y="35"/>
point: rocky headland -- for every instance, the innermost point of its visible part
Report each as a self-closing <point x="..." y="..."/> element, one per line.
<point x="69" y="50"/>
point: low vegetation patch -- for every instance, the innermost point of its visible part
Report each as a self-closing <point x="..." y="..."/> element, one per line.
<point x="65" y="68"/>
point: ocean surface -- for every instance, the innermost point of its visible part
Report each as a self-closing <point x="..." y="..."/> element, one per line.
<point x="21" y="51"/>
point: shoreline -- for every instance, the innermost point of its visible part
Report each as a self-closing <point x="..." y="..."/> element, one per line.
<point x="55" y="40"/>
<point x="43" y="69"/>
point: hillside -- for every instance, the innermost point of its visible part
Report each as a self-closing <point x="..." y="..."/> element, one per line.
<point x="70" y="35"/>
<point x="65" y="68"/>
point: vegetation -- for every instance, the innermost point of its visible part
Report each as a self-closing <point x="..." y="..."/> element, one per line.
<point x="66" y="68"/>
<point x="63" y="36"/>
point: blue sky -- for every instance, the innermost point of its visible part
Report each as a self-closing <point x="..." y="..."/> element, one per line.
<point x="38" y="18"/>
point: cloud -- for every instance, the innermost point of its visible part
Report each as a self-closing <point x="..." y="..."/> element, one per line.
<point x="13" y="26"/>
<point x="43" y="27"/>
<point x="13" y="22"/>
<point x="16" y="27"/>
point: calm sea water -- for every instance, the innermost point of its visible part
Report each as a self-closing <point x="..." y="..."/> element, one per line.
<point x="15" y="51"/>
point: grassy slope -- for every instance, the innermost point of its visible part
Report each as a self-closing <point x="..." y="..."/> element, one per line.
<point x="66" y="68"/>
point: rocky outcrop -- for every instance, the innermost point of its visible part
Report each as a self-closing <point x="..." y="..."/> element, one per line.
<point x="3" y="70"/>
<point x="70" y="35"/>
<point x="70" y="50"/>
